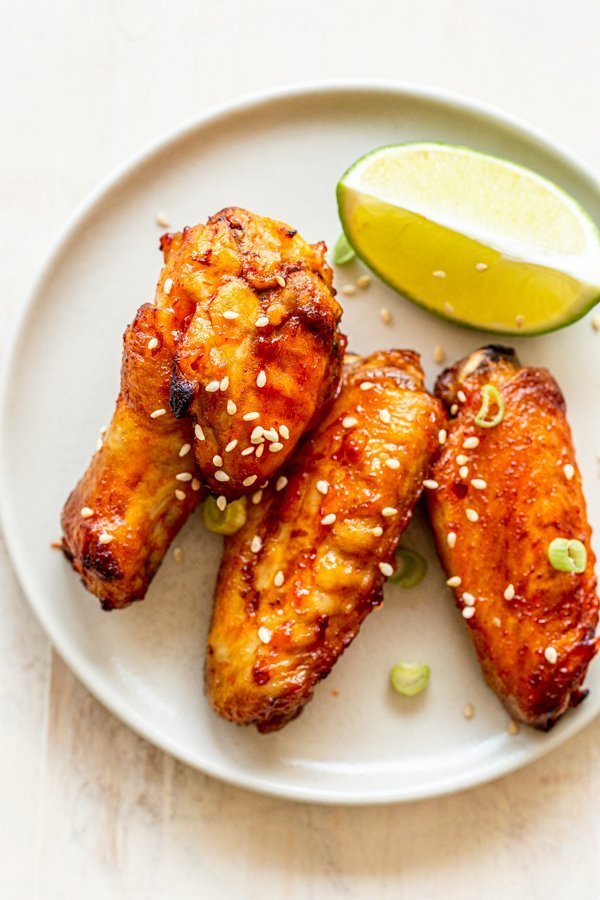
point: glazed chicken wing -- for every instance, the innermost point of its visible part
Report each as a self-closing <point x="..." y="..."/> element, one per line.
<point x="120" y="519"/>
<point x="505" y="493"/>
<point x="300" y="576"/>
<point x="261" y="354"/>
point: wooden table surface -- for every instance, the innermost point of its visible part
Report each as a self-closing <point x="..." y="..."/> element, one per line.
<point x="88" y="809"/>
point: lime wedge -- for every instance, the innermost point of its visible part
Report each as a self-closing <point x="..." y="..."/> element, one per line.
<point x="472" y="238"/>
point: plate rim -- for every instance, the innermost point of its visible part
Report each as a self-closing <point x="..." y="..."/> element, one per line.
<point x="77" y="663"/>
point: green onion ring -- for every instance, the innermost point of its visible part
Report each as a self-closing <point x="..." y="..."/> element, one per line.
<point x="567" y="555"/>
<point x="409" y="679"/>
<point x="411" y="568"/>
<point x="490" y="396"/>
<point x="224" y="521"/>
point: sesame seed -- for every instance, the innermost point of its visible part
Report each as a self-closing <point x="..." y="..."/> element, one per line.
<point x="479" y="484"/>
<point x="463" y="472"/>
<point x="86" y="512"/>
<point x="439" y="354"/>
<point x="260" y="450"/>
<point x="104" y="429"/>
<point x="322" y="487"/>
<point x="257" y="435"/>
<point x="551" y="655"/>
<point x="470" y="443"/>
<point x="184" y="476"/>
<point x="349" y="422"/>
<point x="468" y="612"/>
<point x="221" y="502"/>
<point x="264" y="634"/>
<point x="275" y="447"/>
<point x="366" y="385"/>
<point x="247" y="482"/>
<point x="212" y="387"/>
<point x="481" y="267"/>
<point x="386" y="569"/>
<point x="385" y="315"/>
<point x="363" y="281"/>
<point x="431" y="484"/>
<point x="261" y="378"/>
<point x="162" y="220"/>
<point x="105" y="538"/>
<point x="251" y="416"/>
<point x="231" y="314"/>
<point x="195" y="484"/>
<point x="448" y="307"/>
<point x="451" y="539"/>
<point x="442" y="436"/>
<point x="257" y="497"/>
<point x="279" y="579"/>
<point x="248" y="451"/>
<point x="569" y="471"/>
<point x="256" y="544"/>
<point x="468" y="599"/>
<point x="596" y="322"/>
<point x="349" y="290"/>
<point x="280" y="280"/>
<point x="496" y="622"/>
<point x="153" y="343"/>
<point x="389" y="511"/>
<point x="177" y="554"/>
<point x="284" y="431"/>
<point x="519" y="321"/>
<point x="231" y="445"/>
<point x="157" y="413"/>
<point x="513" y="727"/>
<point x="509" y="592"/>
<point x="461" y="396"/>
<point x="231" y="408"/>
<point x="385" y="416"/>
<point x="198" y="432"/>
<point x="168" y="285"/>
<point x="378" y="531"/>
<point x="185" y="449"/>
<point x="469" y="711"/>
<point x="217" y="460"/>
<point x="392" y="463"/>
<point x="472" y="514"/>
<point x="462" y="460"/>
<point x="281" y="483"/>
<point x="328" y="519"/>
<point x="262" y="321"/>
<point x="454" y="581"/>
<point x="220" y="475"/>
<point x="453" y="409"/>
<point x="224" y="384"/>
<point x="180" y="495"/>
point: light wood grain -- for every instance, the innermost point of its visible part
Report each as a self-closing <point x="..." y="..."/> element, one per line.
<point x="89" y="810"/>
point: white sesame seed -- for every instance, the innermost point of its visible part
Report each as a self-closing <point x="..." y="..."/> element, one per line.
<point x="279" y="579"/>
<point x="248" y="451"/>
<point x="366" y="385"/>
<point x="251" y="416"/>
<point x="162" y="220"/>
<point x="439" y="273"/>
<point x="385" y="315"/>
<point x="280" y="280"/>
<point x="439" y="354"/>
<point x="231" y="314"/>
<point x="153" y="343"/>
<point x="385" y="416"/>
<point x="454" y="581"/>
<point x="284" y="431"/>
<point x="348" y="290"/>
<point x="463" y="472"/>
<point x="442" y="436"/>
<point x="513" y="727"/>
<point x="221" y="503"/>
<point x="389" y="511"/>
<point x="468" y="599"/>
<point x="322" y="487"/>
<point x="212" y="387"/>
<point x="180" y="495"/>
<point x="472" y="514"/>
<point x="264" y="634"/>
<point x="470" y="443"/>
<point x="329" y="519"/>
<point x="104" y="429"/>
<point x="184" y="476"/>
<point x="281" y="483"/>
<point x="262" y="321"/>
<point x="461" y="396"/>
<point x="496" y="622"/>
<point x="231" y="408"/>
<point x="551" y="655"/>
<point x="257" y="435"/>
<point x="177" y="554"/>
<point x="479" y="484"/>
<point x="469" y="711"/>
<point x="596" y="322"/>
<point x="386" y="569"/>
<point x="509" y="592"/>
<point x="431" y="484"/>
<point x="247" y="482"/>
<point x="448" y="307"/>
<point x="377" y="531"/>
<point x="257" y="497"/>
<point x="217" y="460"/>
<point x="519" y="321"/>
<point x="569" y="471"/>
<point x="462" y="460"/>
<point x="168" y="285"/>
<point x="221" y="476"/>
<point x="195" y="484"/>
<point x="157" y="413"/>
<point x="275" y="447"/>
<point x="198" y="432"/>
<point x="363" y="281"/>
<point x="349" y="422"/>
<point x="451" y="539"/>
<point x="481" y="267"/>
<point x="224" y="383"/>
<point x="261" y="378"/>
<point x="185" y="449"/>
<point x="105" y="538"/>
<point x="231" y="445"/>
<point x="86" y="512"/>
<point x="392" y="463"/>
<point x="256" y="544"/>
<point x="391" y="447"/>
<point x="453" y="409"/>
<point x="260" y="450"/>
<point x="468" y="612"/>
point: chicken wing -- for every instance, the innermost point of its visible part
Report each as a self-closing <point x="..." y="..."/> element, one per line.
<point x="120" y="519"/>
<point x="504" y="494"/>
<point x="261" y="353"/>
<point x="298" y="579"/>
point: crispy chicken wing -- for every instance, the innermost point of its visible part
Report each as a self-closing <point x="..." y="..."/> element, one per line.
<point x="123" y="514"/>
<point x="298" y="579"/>
<point x="261" y="354"/>
<point x="505" y="493"/>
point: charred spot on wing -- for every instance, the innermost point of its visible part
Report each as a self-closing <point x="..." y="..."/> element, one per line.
<point x="101" y="560"/>
<point x="181" y="394"/>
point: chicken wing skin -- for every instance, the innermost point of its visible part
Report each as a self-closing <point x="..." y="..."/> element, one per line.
<point x="308" y="566"/>
<point x="120" y="519"/>
<point x="505" y="493"/>
<point x="261" y="353"/>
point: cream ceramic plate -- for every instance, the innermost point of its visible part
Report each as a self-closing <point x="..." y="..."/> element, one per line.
<point x="281" y="155"/>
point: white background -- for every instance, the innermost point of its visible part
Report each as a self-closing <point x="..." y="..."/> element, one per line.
<point x="87" y="809"/>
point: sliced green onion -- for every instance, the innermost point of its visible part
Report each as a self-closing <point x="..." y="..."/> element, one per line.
<point x="411" y="568"/>
<point x="490" y="398"/>
<point x="343" y="253"/>
<point x="226" y="521"/>
<point x="409" y="679"/>
<point x="567" y="555"/>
